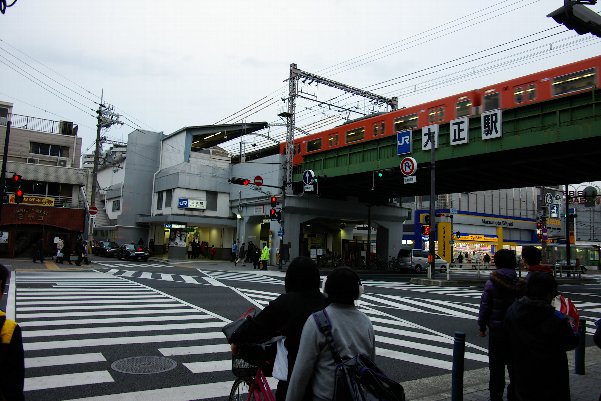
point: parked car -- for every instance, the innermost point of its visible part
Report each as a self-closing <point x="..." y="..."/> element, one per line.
<point x="132" y="252"/>
<point x="106" y="248"/>
<point x="417" y="260"/>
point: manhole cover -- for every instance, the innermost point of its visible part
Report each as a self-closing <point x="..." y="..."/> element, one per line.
<point x="144" y="365"/>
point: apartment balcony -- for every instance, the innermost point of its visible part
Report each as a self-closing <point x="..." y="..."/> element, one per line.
<point x="40" y="124"/>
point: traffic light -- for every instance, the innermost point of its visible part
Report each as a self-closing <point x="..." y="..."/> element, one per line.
<point x="426" y="229"/>
<point x="18" y="195"/>
<point x="380" y="173"/>
<point x="16" y="180"/>
<point x="274" y="201"/>
<point x="272" y="214"/>
<point x="278" y="215"/>
<point x="573" y="15"/>
<point x="239" y="181"/>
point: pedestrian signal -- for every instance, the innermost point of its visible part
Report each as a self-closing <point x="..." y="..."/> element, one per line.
<point x="426" y="229"/>
<point x="272" y="214"/>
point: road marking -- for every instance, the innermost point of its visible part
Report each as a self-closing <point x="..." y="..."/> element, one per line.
<point x="210" y="366"/>
<point x="84" y="301"/>
<point x="67" y="380"/>
<point x="429" y="348"/>
<point x="418" y="359"/>
<point x="50" y="265"/>
<point x="195" y="350"/>
<point x="95" y="307"/>
<point x="44" y="323"/>
<point x="23" y="316"/>
<point x="121" y="329"/>
<point x="107" y="341"/>
<point x="59" y="360"/>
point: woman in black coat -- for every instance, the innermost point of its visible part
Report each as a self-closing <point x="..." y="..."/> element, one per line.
<point x="286" y="315"/>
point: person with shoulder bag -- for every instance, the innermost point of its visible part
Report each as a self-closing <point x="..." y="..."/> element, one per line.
<point x="12" y="361"/>
<point x="348" y="337"/>
<point x="285" y="316"/>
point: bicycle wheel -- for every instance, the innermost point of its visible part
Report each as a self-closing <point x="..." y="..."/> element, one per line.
<point x="240" y="390"/>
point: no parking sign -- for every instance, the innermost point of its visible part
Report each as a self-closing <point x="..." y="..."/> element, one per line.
<point x="408" y="166"/>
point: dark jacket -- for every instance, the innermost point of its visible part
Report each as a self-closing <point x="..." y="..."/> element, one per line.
<point x="500" y="290"/>
<point x="539" y="338"/>
<point x="12" y="368"/>
<point x="286" y="315"/>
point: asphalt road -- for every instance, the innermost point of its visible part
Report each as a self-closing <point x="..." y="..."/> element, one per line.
<point x="81" y="326"/>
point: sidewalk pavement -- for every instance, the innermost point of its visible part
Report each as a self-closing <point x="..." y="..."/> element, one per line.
<point x="438" y="388"/>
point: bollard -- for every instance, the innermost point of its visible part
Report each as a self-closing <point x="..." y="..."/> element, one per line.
<point x="579" y="352"/>
<point x="458" y="367"/>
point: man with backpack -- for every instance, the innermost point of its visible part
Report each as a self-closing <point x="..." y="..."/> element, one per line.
<point x="12" y="365"/>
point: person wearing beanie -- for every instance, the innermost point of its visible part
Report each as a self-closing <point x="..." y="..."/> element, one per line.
<point x="500" y="290"/>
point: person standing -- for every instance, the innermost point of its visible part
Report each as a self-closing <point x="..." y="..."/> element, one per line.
<point x="60" y="244"/>
<point x="212" y="252"/>
<point x="12" y="361"/>
<point x="234" y="257"/>
<point x="38" y="251"/>
<point x="460" y="260"/>
<point x="486" y="260"/>
<point x="286" y="315"/>
<point x="251" y="252"/>
<point x="264" y="257"/>
<point x="500" y="290"/>
<point x="539" y="338"/>
<point x="79" y="250"/>
<point x="351" y="330"/>
<point x="532" y="256"/>
<point x="242" y="253"/>
<point x="67" y="251"/>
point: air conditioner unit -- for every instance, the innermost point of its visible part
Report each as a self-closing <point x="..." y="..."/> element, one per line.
<point x="63" y="162"/>
<point x="65" y="128"/>
<point x="33" y="160"/>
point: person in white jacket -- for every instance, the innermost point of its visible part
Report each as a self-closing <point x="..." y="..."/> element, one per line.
<point x="352" y="331"/>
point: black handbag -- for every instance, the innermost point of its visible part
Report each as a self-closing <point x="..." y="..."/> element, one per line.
<point x="230" y="328"/>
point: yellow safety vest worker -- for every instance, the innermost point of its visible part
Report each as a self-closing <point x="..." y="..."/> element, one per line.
<point x="265" y="253"/>
<point x="8" y="328"/>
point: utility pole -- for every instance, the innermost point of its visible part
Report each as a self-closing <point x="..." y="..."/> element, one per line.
<point x="106" y="118"/>
<point x="4" y="161"/>
<point x="433" y="230"/>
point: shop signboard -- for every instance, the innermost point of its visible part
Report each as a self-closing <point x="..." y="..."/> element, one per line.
<point x="445" y="236"/>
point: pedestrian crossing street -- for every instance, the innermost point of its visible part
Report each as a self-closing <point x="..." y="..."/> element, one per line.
<point x="77" y="324"/>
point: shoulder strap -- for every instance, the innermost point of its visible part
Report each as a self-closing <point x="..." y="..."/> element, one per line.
<point x="325" y="327"/>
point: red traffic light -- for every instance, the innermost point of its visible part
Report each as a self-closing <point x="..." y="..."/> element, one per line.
<point x="16" y="178"/>
<point x="274" y="201"/>
<point x="272" y="214"/>
<point x="19" y="192"/>
<point x="239" y="181"/>
<point x="18" y="195"/>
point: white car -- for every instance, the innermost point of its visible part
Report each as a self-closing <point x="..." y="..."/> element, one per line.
<point x="417" y="260"/>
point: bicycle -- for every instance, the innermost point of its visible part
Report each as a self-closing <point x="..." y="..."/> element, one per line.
<point x="250" y="384"/>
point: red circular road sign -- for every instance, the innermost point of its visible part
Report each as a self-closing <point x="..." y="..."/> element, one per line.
<point x="258" y="181"/>
<point x="408" y="166"/>
<point x="93" y="210"/>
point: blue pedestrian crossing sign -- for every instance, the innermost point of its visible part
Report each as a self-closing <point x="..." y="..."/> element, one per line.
<point x="403" y="142"/>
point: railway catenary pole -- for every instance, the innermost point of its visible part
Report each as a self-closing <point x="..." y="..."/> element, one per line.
<point x="295" y="75"/>
<point x="433" y="230"/>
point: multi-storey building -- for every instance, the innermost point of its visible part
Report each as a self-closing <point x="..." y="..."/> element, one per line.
<point x="46" y="154"/>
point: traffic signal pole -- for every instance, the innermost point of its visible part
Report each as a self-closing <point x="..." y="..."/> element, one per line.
<point x="433" y="230"/>
<point x="4" y="161"/>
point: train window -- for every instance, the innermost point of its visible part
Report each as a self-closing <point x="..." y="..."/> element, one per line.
<point x="314" y="145"/>
<point x="531" y="92"/>
<point x="378" y="128"/>
<point x="298" y="149"/>
<point x="491" y="100"/>
<point x="405" y="122"/>
<point x="574" y="82"/>
<point x="518" y="94"/>
<point x="436" y="114"/>
<point x="355" y="135"/>
<point x="333" y="140"/>
<point x="463" y="106"/>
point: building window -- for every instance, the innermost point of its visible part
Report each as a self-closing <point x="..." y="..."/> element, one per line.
<point x="531" y="92"/>
<point x="491" y="100"/>
<point x="379" y="128"/>
<point x="160" y="200"/>
<point x="48" y="149"/>
<point x="518" y="94"/>
<point x="314" y="145"/>
<point x="333" y="140"/>
<point x="463" y="107"/>
<point x="168" y="197"/>
<point x="436" y="114"/>
<point x="211" y="200"/>
<point x="355" y="135"/>
<point x="116" y="205"/>
<point x="574" y="82"/>
<point x="405" y="122"/>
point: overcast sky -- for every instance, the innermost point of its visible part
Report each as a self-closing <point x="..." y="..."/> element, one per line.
<point x="170" y="64"/>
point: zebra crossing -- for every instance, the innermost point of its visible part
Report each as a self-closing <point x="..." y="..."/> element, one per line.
<point x="77" y="325"/>
<point x="452" y="291"/>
